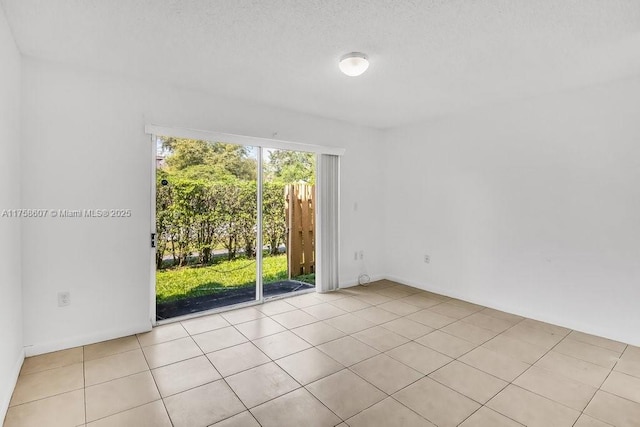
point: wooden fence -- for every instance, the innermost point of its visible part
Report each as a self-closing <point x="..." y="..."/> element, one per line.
<point x="300" y="217"/>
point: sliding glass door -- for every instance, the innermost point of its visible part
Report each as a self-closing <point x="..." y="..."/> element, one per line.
<point x="233" y="224"/>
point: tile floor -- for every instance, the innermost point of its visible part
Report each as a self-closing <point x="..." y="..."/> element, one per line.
<point x="381" y="355"/>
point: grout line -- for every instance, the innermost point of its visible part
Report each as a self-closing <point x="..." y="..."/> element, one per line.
<point x="600" y="387"/>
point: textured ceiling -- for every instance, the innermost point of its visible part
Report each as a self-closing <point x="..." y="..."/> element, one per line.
<point x="428" y="57"/>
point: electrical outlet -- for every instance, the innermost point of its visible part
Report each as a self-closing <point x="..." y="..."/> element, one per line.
<point x="361" y="254"/>
<point x="427" y="259"/>
<point x="355" y="256"/>
<point x="64" y="299"/>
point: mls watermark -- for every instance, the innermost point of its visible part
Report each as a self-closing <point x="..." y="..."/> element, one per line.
<point x="65" y="213"/>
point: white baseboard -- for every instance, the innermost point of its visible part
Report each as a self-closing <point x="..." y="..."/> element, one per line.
<point x="520" y="311"/>
<point x="47" y="347"/>
<point x="9" y="385"/>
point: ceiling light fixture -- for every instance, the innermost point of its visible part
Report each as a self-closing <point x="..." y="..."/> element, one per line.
<point x="353" y="64"/>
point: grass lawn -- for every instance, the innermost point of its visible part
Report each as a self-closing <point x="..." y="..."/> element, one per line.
<point x="182" y="282"/>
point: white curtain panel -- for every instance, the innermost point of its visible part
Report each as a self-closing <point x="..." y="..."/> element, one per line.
<point x="328" y="224"/>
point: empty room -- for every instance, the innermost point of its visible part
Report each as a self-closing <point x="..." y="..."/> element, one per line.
<point x="323" y="213"/>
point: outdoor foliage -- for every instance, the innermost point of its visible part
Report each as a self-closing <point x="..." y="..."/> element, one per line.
<point x="206" y="200"/>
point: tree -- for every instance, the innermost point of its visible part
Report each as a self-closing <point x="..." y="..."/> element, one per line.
<point x="197" y="159"/>
<point x="288" y="167"/>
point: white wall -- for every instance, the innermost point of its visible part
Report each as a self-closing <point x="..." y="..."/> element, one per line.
<point x="532" y="207"/>
<point x="11" y="352"/>
<point x="85" y="147"/>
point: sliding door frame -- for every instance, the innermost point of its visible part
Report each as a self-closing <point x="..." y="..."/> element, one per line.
<point x="248" y="141"/>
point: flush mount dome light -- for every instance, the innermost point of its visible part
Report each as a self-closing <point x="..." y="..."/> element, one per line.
<point x="354" y="63"/>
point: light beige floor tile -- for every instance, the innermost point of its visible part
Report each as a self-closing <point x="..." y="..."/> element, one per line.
<point x="420" y="301"/>
<point x="161" y="334"/>
<point x="613" y="410"/>
<point x="386" y="373"/>
<point x="181" y="376"/>
<point x="419" y="357"/>
<point x="330" y="296"/>
<point x="294" y="319"/>
<point x="446" y="344"/>
<point x="373" y="298"/>
<point x="259" y="328"/>
<point x="298" y="408"/>
<point x="598" y="341"/>
<point x="590" y="353"/>
<point x="62" y="410"/>
<point x="496" y="364"/>
<point x="281" y="345"/>
<point x="631" y="353"/>
<point x="513" y="318"/>
<point x="487" y="322"/>
<point x="242" y="315"/>
<point x="554" y="329"/>
<point x="407" y="328"/>
<point x="437" y="403"/>
<point x="349" y="323"/>
<point x="388" y="413"/>
<point x="452" y="310"/>
<point x="469" y="332"/>
<point x="345" y="393"/>
<point x="306" y="300"/>
<point x="350" y="304"/>
<point x="532" y="410"/>
<point x="587" y="421"/>
<point x="318" y="333"/>
<point x="485" y="417"/>
<point x="219" y="339"/>
<point x="435" y="296"/>
<point x="380" y="338"/>
<point x="48" y="383"/>
<point x="348" y="350"/>
<point x="533" y="335"/>
<point x="204" y="324"/>
<point x="573" y="368"/>
<point x="466" y="304"/>
<point x="381" y="284"/>
<point x="429" y="318"/>
<point x="243" y="419"/>
<point x="469" y="381"/>
<point x="517" y="349"/>
<point x="554" y="386"/>
<point x="238" y="358"/>
<point x="324" y="311"/>
<point x="309" y="365"/>
<point x="275" y="307"/>
<point x="203" y="406"/>
<point x="395" y="292"/>
<point x="53" y="360"/>
<point x="399" y="307"/>
<point x="152" y="414"/>
<point x="111" y="347"/>
<point x="376" y="315"/>
<point x="115" y="366"/>
<point x="119" y="395"/>
<point x="623" y="385"/>
<point x="171" y="351"/>
<point x="260" y="384"/>
<point x="628" y="366"/>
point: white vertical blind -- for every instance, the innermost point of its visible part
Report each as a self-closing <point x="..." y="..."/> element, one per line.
<point x="328" y="224"/>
